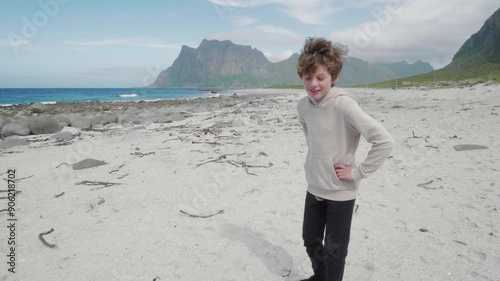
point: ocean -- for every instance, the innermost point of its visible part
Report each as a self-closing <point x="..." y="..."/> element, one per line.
<point x="49" y="96"/>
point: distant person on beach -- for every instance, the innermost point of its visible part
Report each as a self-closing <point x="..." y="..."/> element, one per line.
<point x="332" y="123"/>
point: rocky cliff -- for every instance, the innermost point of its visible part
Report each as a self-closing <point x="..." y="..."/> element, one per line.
<point x="225" y="64"/>
<point x="482" y="47"/>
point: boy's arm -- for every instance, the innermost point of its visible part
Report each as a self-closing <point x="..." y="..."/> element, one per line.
<point x="374" y="133"/>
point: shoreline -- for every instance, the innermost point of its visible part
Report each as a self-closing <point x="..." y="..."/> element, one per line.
<point x="38" y="118"/>
<point x="55" y="108"/>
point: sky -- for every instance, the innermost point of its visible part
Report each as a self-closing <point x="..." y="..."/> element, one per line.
<point x="126" y="43"/>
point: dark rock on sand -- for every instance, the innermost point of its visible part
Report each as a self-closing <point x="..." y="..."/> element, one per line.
<point x="129" y="118"/>
<point x="38" y="107"/>
<point x="12" y="142"/>
<point x="62" y="136"/>
<point x="164" y="119"/>
<point x="3" y="120"/>
<point x="256" y="117"/>
<point x="88" y="163"/>
<point x="98" y="126"/>
<point x="15" y="129"/>
<point x="81" y="122"/>
<point x="63" y="120"/>
<point x="43" y="125"/>
<point x="110" y="118"/>
<point x="177" y="116"/>
<point x="98" y="119"/>
<point x="463" y="147"/>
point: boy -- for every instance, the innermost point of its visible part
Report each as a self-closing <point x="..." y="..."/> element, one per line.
<point x="332" y="124"/>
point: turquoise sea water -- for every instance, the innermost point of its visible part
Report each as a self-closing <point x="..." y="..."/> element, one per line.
<point x="24" y="96"/>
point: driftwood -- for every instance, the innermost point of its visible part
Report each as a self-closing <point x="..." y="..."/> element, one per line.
<point x="117" y="169"/>
<point x="6" y="197"/>
<point x="37" y="140"/>
<point x="424" y="185"/>
<point x="210" y="130"/>
<point x="94" y="130"/>
<point x="62" y="164"/>
<point x="235" y="163"/>
<point x="460" y="242"/>
<point x="59" y="195"/>
<point x="214" y="160"/>
<point x="415" y="137"/>
<point x="40" y="236"/>
<point x="202" y="216"/>
<point x="207" y="142"/>
<point x="140" y="154"/>
<point x="253" y="166"/>
<point x="121" y="177"/>
<point x="94" y="183"/>
<point x="60" y="143"/>
<point x="16" y="180"/>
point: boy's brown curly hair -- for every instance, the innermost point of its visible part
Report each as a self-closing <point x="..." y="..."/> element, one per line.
<point x="320" y="51"/>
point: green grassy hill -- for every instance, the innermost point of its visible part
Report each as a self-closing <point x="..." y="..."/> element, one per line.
<point x="446" y="77"/>
<point x="477" y="61"/>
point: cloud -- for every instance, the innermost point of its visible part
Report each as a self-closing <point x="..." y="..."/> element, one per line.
<point x="139" y="42"/>
<point x="309" y="12"/>
<point x="243" y="20"/>
<point x="267" y="38"/>
<point x="416" y="30"/>
<point x="276" y="30"/>
<point x="260" y="35"/>
<point x="245" y="36"/>
<point x="279" y="57"/>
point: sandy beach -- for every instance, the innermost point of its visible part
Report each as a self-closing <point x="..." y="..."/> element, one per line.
<point x="218" y="194"/>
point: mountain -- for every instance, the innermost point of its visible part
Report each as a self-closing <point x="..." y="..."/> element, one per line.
<point x="225" y="64"/>
<point x="482" y="47"/>
<point x="477" y="60"/>
<point x="403" y="69"/>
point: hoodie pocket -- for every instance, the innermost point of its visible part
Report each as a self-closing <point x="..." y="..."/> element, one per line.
<point x="320" y="172"/>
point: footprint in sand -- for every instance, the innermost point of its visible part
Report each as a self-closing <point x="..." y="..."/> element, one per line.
<point x="361" y="271"/>
<point x="402" y="225"/>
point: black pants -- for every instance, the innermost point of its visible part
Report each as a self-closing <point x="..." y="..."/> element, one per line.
<point x="328" y="258"/>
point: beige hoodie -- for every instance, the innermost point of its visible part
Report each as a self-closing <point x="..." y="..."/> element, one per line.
<point x="333" y="128"/>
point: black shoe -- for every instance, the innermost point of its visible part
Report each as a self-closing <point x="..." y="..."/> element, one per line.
<point x="313" y="278"/>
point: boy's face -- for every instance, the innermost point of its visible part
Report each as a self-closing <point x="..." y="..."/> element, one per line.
<point x="317" y="83"/>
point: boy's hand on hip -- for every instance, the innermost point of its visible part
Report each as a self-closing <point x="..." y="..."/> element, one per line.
<point x="344" y="171"/>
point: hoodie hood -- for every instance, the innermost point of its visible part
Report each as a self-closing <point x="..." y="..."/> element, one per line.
<point x="332" y="94"/>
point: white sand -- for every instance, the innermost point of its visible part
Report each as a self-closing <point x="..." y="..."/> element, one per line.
<point x="448" y="229"/>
